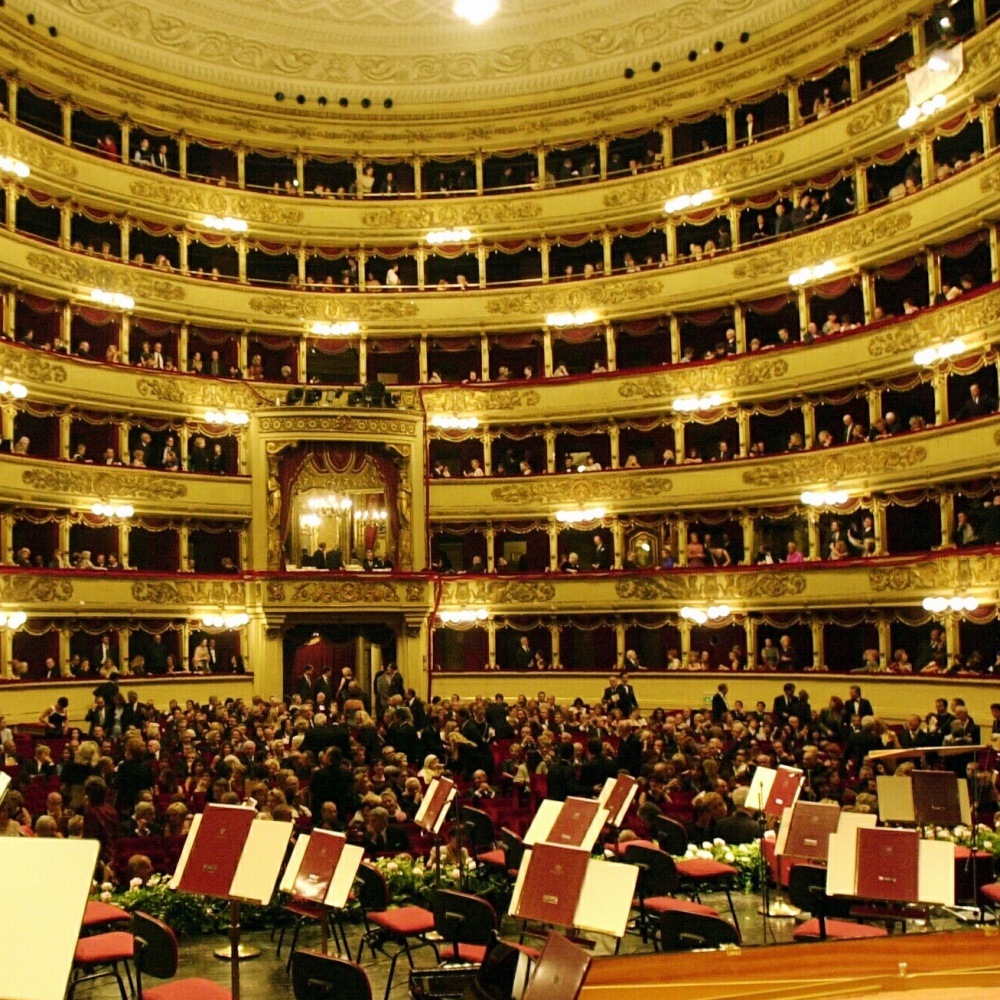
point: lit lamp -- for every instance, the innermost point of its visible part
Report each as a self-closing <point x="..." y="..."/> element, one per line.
<point x="940" y="605"/>
<point x="476" y="11"/>
<point x="112" y="511"/>
<point x="12" y="620"/>
<point x="467" y="616"/>
<point x="226" y="619"/>
<point x="15" y="390"/>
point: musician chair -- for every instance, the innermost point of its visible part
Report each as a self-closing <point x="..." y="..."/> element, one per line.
<point x="99" y="955"/>
<point x="480" y="834"/>
<point x="406" y="927"/>
<point x="100" y="916"/>
<point x="687" y="931"/>
<point x="807" y="891"/>
<point x="989" y="897"/>
<point x="156" y="955"/>
<point x="470" y="926"/>
<point x="301" y="912"/>
<point x="316" y="976"/>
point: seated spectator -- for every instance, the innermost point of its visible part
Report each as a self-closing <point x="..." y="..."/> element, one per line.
<point x="571" y="564"/>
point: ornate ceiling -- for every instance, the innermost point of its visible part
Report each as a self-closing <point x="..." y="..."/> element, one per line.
<point x="413" y="51"/>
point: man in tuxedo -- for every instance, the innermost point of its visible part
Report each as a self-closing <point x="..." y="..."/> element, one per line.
<point x="319" y="556"/>
<point x="41" y="763"/>
<point x="96" y="717"/>
<point x="304" y="688"/>
<point x="332" y="783"/>
<point x="787" y="657"/>
<point x="562" y="774"/>
<point x="334" y="559"/>
<point x="50" y="672"/>
<point x="371" y="561"/>
<point x="496" y="716"/>
<point x="977" y="405"/>
<point x="602" y="558"/>
<point x="214" y="663"/>
<point x="913" y="736"/>
<point x="835" y="534"/>
<point x="856" y="705"/>
<point x="324" y="686"/>
<point x="523" y="656"/>
<point x="596" y="769"/>
<point x="416" y="707"/>
<point x="158" y="359"/>
<point x="381" y="836"/>
<point x="401" y="735"/>
<point x="741" y="827"/>
<point x="160" y="159"/>
<point x="629" y="749"/>
<point x="612" y="696"/>
<point x="995" y="712"/>
<point x="861" y="743"/>
<point x="719" y="703"/>
<point x="968" y="726"/>
<point x="155" y="656"/>
<point x="103" y="652"/>
<point x="325" y="734"/>
<point x="784" y="704"/>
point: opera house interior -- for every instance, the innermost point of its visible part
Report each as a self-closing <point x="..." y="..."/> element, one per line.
<point x="502" y="393"/>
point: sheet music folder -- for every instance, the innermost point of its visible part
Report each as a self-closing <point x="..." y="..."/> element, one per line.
<point x="616" y="796"/>
<point x="552" y="884"/>
<point x="318" y="865"/>
<point x="784" y="791"/>
<point x="935" y="799"/>
<point x="562" y="967"/>
<point x="888" y="862"/>
<point x="216" y="848"/>
<point x="434" y="806"/>
<point x="573" y="823"/>
<point x="805" y="831"/>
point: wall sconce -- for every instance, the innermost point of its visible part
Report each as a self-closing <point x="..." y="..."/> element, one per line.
<point x="450" y="422"/>
<point x="467" y="616"/>
<point x="12" y="619"/>
<point x="12" y="389"/>
<point x="828" y="498"/>
<point x="580" y="516"/>
<point x="235" y="417"/>
<point x="712" y="613"/>
<point x="686" y="201"/>
<point x="121" y="512"/>
<point x="937" y="605"/>
<point x="226" y="620"/>
<point x="114" y="299"/>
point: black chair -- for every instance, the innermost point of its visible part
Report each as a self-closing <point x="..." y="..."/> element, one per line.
<point x="316" y="976"/>
<point x="301" y="912"/>
<point x="807" y="891"/>
<point x="687" y="931"/>
<point x="480" y="834"/>
<point x="467" y="922"/>
<point x="670" y="835"/>
<point x="156" y="955"/>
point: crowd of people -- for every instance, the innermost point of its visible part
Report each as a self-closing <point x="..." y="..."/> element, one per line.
<point x="336" y="756"/>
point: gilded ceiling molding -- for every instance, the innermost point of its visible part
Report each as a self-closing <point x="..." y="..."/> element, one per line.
<point x="711" y="586"/>
<point x="480" y="400"/>
<point x="25" y="589"/>
<point x="334" y="423"/>
<point x="362" y="307"/>
<point x="701" y="379"/>
<point x="363" y="591"/>
<point x="841" y="240"/>
<point x="188" y="592"/>
<point x="938" y="574"/>
<point x="870" y="115"/>
<point x="960" y="319"/>
<point x="443" y="215"/>
<point x="856" y="462"/>
<point x="582" y="489"/>
<point x="198" y="392"/>
<point x="562" y="297"/>
<point x="32" y="366"/>
<point x="311" y="478"/>
<point x="120" y="484"/>
<point x="186" y="196"/>
<point x="496" y="592"/>
<point x="79" y="270"/>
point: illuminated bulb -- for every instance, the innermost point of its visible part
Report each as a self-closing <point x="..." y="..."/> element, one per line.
<point x="454" y="423"/>
<point x="114" y="299"/>
<point x="476" y="11"/>
<point x="450" y="236"/>
<point x="14" y="389"/>
<point x="12" y="619"/>
<point x="578" y="516"/>
<point x="8" y="165"/>
<point x="685" y="201"/>
<point x="581" y="318"/>
<point x="344" y="329"/>
<point x="226" y="224"/>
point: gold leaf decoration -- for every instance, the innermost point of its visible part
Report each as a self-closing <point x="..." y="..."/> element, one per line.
<point x="711" y="586"/>
<point x="582" y="489"/>
<point x="479" y="400"/>
<point x="345" y="592"/>
<point x="869" y="116"/>
<point x="275" y="593"/>
<point x="188" y="592"/>
<point x="42" y="155"/>
<point x="119" y="278"/>
<point x="364" y="308"/>
<point x="414" y="593"/>
<point x="961" y="318"/>
<point x="30" y="365"/>
<point x="197" y="391"/>
<point x="18" y="589"/>
<point x="445" y="215"/>
<point x="202" y="199"/>
<point x="341" y="423"/>
<point x="699" y="379"/>
<point x="854" y="462"/>
<point x="609" y="292"/>
<point x="132" y="484"/>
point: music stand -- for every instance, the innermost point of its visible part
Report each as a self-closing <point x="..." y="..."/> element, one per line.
<point x="53" y="878"/>
<point x="805" y="831"/>
<point x="566" y="887"/>
<point x="573" y="823"/>
<point x="772" y="791"/>
<point x="4" y="784"/>
<point x="616" y="796"/>
<point x="926" y="798"/>
<point x="559" y="974"/>
<point x="322" y="870"/>
<point x="227" y="855"/>
<point x="432" y="813"/>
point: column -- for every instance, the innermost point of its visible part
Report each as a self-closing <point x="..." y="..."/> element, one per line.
<point x="803" y="303"/>
<point x="303" y="361"/>
<point x="9" y="312"/>
<point x="182" y="348"/>
<point x="751" y="635"/>
<point x="682" y="542"/>
<point x="940" y="384"/>
<point x="614" y="438"/>
<point x="749" y="548"/>
<point x="242" y="353"/>
<point x="418" y="177"/>
<point x="553" y="546"/>
<point x="540" y="160"/>
<point x="65" y="421"/>
<point x="794" y="114"/>
<point x="300" y="264"/>
<point x="814" y="537"/>
<point x="994" y="253"/>
<point x="363" y="358"/>
<point x="926" y="148"/>
<point x="123" y="230"/>
<point x="809" y="424"/>
<point x="675" y="339"/>
<point x="423" y="373"/>
<point x="734" y="225"/>
<point x="543" y="250"/>
<point x="606" y="242"/>
<point x="484" y="357"/>
<point x="6" y="653"/>
<point x="868" y="295"/>
<point x="362" y="263"/>
<point x="241" y="251"/>
<point x="933" y="276"/>
<point x="8" y="411"/>
<point x="874" y="406"/>
<point x="679" y="449"/>
<point x="743" y="424"/>
<point x="854" y="68"/>
<point x="740" y="326"/>
<point x="6" y="540"/>
<point x="979" y="12"/>
<point x="123" y="551"/>
<point x="670" y="231"/>
<point x="547" y="365"/>
<point x="63" y="538"/>
<point x="884" y="642"/>
<point x="183" y="548"/>
<point x="487" y="451"/>
<point x="359" y="172"/>
<point x="241" y="167"/>
<point x="300" y="173"/>
<point x="919" y="46"/>
<point x="126" y="139"/>
<point x="554" y="632"/>
<point x="491" y="643"/>
<point x="182" y="660"/>
<point x="730" y="112"/>
<point x="184" y="243"/>
<point x="67" y="122"/>
<point x="618" y="540"/>
<point x="480" y="184"/>
<point x="602" y="156"/>
<point x="123" y="441"/>
<point x="12" y="100"/>
<point x="879" y="518"/>
<point x="491" y="540"/>
<point x="620" y="645"/>
<point x="550" y="450"/>
<point x="65" y="226"/>
<point x="860" y="189"/>
<point x="684" y="627"/>
<point x="64" y="653"/>
<point x="611" y="347"/>
<point x="667" y="144"/>
<point x="421" y="268"/>
<point x="183" y="440"/>
<point x="947" y="505"/>
<point x="819" y="644"/>
<point x="481" y="260"/>
<point x="66" y="325"/>
<point x="182" y="155"/>
<point x="11" y="200"/>
<point x="124" y="331"/>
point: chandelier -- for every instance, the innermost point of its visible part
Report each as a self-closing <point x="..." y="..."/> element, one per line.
<point x="374" y="515"/>
<point x="327" y="504"/>
<point x="476" y="11"/>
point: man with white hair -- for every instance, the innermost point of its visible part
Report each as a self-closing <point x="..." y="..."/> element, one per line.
<point x="741" y="827"/>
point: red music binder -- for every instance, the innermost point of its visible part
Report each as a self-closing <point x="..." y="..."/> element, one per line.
<point x="440" y="797"/>
<point x="552" y="884"/>
<point x="573" y="822"/>
<point x="935" y="798"/>
<point x="215" y="854"/>
<point x="888" y="864"/>
<point x="809" y="830"/>
<point x="784" y="791"/>
<point x="318" y="865"/>
<point x="624" y="784"/>
<point x="562" y="967"/>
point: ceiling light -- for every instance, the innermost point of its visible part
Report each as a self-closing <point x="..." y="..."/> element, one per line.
<point x="932" y="355"/>
<point x="685" y="201"/>
<point x="825" y="498"/>
<point x="226" y="224"/>
<point x="235" y="417"/>
<point x="115" y="299"/>
<point x="8" y="165"/>
<point x="925" y="109"/>
<point x="13" y="389"/>
<point x="713" y="613"/>
<point x="310" y="520"/>
<point x="476" y="11"/>
<point x="580" y="318"/>
<point x="689" y="404"/>
<point x="449" y="236"/>
<point x="335" y="329"/>
<point x="12" y="619"/>
<point x="121" y="511"/>
<point x="937" y="605"/>
<point x="579" y="516"/>
<point x="226" y="620"/>
<point x="805" y="274"/>
<point x="454" y="423"/>
<point x="466" y="616"/>
<point x="330" y="503"/>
